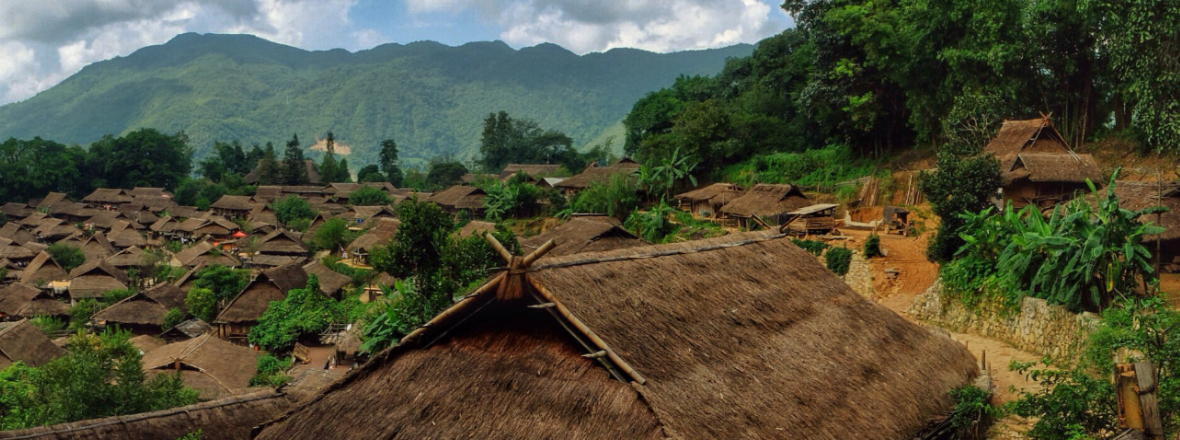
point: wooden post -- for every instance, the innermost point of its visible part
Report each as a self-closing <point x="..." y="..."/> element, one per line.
<point x="1137" y="395"/>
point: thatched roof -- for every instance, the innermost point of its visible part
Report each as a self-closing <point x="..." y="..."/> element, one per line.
<point x="130" y="257"/>
<point x="93" y="279"/>
<point x="15" y="210"/>
<point x="42" y="269"/>
<point x="1135" y="195"/>
<point x="1049" y="167"/>
<point x="167" y="295"/>
<point x="345" y="190"/>
<point x="766" y="200"/>
<point x="107" y="196"/>
<point x="146" y="343"/>
<point x="596" y="174"/>
<point x="268" y="193"/>
<point x="717" y="193"/>
<point x="97" y="247"/>
<point x="1033" y="149"/>
<point x="13" y="251"/>
<point x="230" y="418"/>
<point x="774" y="347"/>
<point x="26" y="301"/>
<point x="51" y="199"/>
<point x="23" y="341"/>
<point x="126" y="238"/>
<point x="137" y="309"/>
<point x="215" y="367"/>
<point x="378" y="235"/>
<point x="147" y="191"/>
<point x="12" y="230"/>
<point x="330" y="281"/>
<point x="459" y="197"/>
<point x="204" y="253"/>
<point x="189" y="329"/>
<point x="165" y="224"/>
<point x="233" y="203"/>
<point x="583" y="235"/>
<point x="156" y="204"/>
<point x="263" y="214"/>
<point x="265" y="261"/>
<point x="309" y="383"/>
<point x="476" y="227"/>
<point x="534" y="170"/>
<point x="282" y="242"/>
<point x="270" y="285"/>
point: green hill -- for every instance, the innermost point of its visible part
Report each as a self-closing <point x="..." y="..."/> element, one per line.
<point x="429" y="97"/>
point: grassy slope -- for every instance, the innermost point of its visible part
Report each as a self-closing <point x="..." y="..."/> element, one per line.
<point x="429" y="97"/>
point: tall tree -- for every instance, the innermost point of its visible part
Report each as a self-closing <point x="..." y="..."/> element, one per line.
<point x="269" y="171"/>
<point x="294" y="167"/>
<point x="506" y="140"/>
<point x="329" y="172"/>
<point x="389" y="162"/>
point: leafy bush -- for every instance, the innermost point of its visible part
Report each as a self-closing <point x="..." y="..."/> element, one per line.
<point x="838" y="260"/>
<point x="962" y="184"/>
<point x="271" y="371"/>
<point x="48" y="324"/>
<point x="81" y="313"/>
<point x="291" y="208"/>
<point x="67" y="255"/>
<point x="418" y="244"/>
<point x="303" y="312"/>
<point x="368" y="196"/>
<point x="195" y="435"/>
<point x="333" y="235"/>
<point x="513" y="199"/>
<point x="99" y="376"/>
<point x="470" y="259"/>
<point x="814" y="247"/>
<point x="617" y="198"/>
<point x="652" y="225"/>
<point x="202" y="303"/>
<point x="214" y="286"/>
<point x="417" y="300"/>
<point x="819" y="167"/>
<point x="173" y="317"/>
<point x="114" y="296"/>
<point x="873" y="246"/>
<point x="971" y="402"/>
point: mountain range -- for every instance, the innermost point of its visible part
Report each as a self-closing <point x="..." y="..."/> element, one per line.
<point x="430" y="98"/>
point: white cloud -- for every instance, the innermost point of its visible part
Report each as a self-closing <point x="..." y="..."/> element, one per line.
<point x="590" y="25"/>
<point x="45" y="41"/>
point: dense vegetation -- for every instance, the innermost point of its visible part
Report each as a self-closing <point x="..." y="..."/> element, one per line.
<point x="428" y="96"/>
<point x="100" y="376"/>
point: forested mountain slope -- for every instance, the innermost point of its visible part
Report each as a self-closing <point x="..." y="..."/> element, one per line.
<point x="429" y="97"/>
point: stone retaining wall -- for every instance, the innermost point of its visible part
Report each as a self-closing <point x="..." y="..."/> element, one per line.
<point x="1037" y="327"/>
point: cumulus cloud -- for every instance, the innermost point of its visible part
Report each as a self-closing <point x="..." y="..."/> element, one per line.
<point x="45" y="41"/>
<point x="597" y="25"/>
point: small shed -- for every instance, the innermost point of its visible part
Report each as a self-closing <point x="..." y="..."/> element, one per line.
<point x="814" y="219"/>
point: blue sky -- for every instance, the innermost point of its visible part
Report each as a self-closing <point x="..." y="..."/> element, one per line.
<point x="43" y="42"/>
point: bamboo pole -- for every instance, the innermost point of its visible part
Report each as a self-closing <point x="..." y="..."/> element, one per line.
<point x="507" y="256"/>
<point x="537" y="254"/>
<point x="577" y="323"/>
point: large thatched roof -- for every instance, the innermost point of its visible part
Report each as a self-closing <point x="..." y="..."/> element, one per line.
<point x="230" y="418"/>
<point x="717" y="193"/>
<point x="282" y="242"/>
<point x="459" y="197"/>
<point x="138" y="310"/>
<point x="93" y="279"/>
<point x="204" y="253"/>
<point x="766" y="200"/>
<point x="1033" y="149"/>
<point x="379" y="235"/>
<point x="583" y="235"/>
<point x="233" y="203"/>
<point x="22" y="341"/>
<point x="773" y="347"/>
<point x="476" y="228"/>
<point x="25" y="301"/>
<point x="43" y="269"/>
<point x="107" y="196"/>
<point x="534" y="170"/>
<point x="330" y="281"/>
<point x="215" y="367"/>
<point x="271" y="285"/>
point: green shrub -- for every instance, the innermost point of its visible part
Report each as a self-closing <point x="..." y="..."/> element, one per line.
<point x="616" y="198"/>
<point x="303" y="312"/>
<point x="114" y="296"/>
<point x="873" y="246"/>
<point x="368" y="196"/>
<point x="67" y="255"/>
<point x="814" y="247"/>
<point x="291" y="208"/>
<point x="652" y="225"/>
<point x="271" y="371"/>
<point x="173" y="317"/>
<point x="48" y="324"/>
<point x="81" y="313"/>
<point x="971" y="402"/>
<point x="838" y="260"/>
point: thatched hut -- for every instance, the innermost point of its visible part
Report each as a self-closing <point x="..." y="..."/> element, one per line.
<point x="331" y="282"/>
<point x="16" y="210"/>
<point x="97" y="247"/>
<point x="210" y="365"/>
<point x="42" y="270"/>
<point x="204" y="253"/>
<point x="1136" y="195"/>
<point x="242" y="313"/>
<point x="535" y="171"/>
<point x="229" y="418"/>
<point x="583" y="235"/>
<point x="22" y="341"/>
<point x="460" y="198"/>
<point x="282" y="242"/>
<point x="18" y="301"/>
<point x="379" y="235"/>
<point x="233" y="206"/>
<point x="141" y="314"/>
<point x="130" y="257"/>
<point x="770" y="203"/>
<point x="596" y="175"/>
<point x="165" y="227"/>
<point x="1037" y="165"/>
<point x="708" y="200"/>
<point x="107" y="198"/>
<point x="95" y="278"/>
<point x="668" y="341"/>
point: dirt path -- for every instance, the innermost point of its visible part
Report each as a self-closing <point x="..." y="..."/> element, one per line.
<point x="906" y="256"/>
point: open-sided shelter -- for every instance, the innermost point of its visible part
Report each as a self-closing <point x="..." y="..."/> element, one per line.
<point x="668" y="341"/>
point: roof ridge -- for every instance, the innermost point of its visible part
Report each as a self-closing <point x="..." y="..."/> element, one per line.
<point x="656" y="254"/>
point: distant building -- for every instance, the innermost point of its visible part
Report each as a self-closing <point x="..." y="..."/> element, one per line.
<point x="1037" y="165"/>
